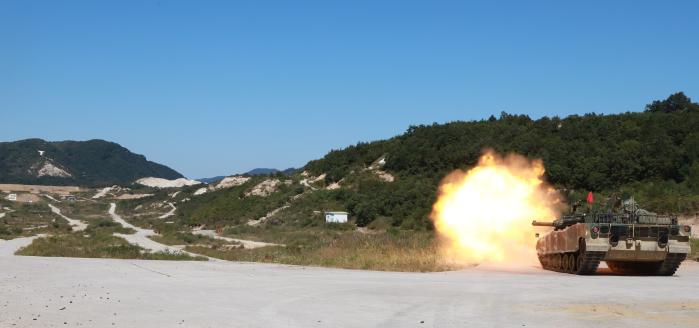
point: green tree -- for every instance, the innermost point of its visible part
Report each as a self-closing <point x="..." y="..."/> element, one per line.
<point x="674" y="103"/>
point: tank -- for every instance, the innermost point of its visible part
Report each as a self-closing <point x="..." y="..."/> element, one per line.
<point x="629" y="239"/>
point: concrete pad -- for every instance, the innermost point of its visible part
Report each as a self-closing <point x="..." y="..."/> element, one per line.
<point x="48" y="292"/>
<point x="9" y="247"/>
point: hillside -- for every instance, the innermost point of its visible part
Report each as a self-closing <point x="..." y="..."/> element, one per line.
<point x="652" y="154"/>
<point x="267" y="171"/>
<point x="86" y="163"/>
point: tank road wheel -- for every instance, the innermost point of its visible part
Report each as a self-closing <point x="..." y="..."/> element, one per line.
<point x="580" y="262"/>
<point x="571" y="263"/>
<point x="557" y="262"/>
<point x="547" y="261"/>
<point x="561" y="262"/>
<point x="542" y="260"/>
<point x="565" y="267"/>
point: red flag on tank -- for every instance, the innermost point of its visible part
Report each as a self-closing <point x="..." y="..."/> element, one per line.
<point x="590" y="198"/>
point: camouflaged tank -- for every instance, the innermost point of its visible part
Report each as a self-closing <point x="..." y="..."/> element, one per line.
<point x="631" y="240"/>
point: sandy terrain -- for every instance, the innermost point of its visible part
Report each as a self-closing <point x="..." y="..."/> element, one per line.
<point x="68" y="292"/>
<point x="233" y="181"/>
<point x="76" y="224"/>
<point x="103" y="192"/>
<point x="133" y="196"/>
<point x="49" y="169"/>
<point x="385" y="176"/>
<point x="51" y="198"/>
<point x="200" y="191"/>
<point x="309" y="180"/>
<point x="169" y="213"/>
<point x="333" y="186"/>
<point x="264" y="188"/>
<point x="24" y="198"/>
<point x="140" y="238"/>
<point x="64" y="190"/>
<point x="249" y="244"/>
<point x="269" y="214"/>
<point x="165" y="183"/>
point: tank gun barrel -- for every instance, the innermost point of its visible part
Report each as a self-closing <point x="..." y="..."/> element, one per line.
<point x="542" y="224"/>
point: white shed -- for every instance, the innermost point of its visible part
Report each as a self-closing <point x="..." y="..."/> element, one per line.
<point x="336" y="217"/>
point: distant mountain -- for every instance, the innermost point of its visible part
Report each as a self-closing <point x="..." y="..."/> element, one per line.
<point x="261" y="171"/>
<point x="291" y="171"/>
<point x="85" y="163"/>
<point x="266" y="171"/>
<point x="211" y="180"/>
<point x="253" y="172"/>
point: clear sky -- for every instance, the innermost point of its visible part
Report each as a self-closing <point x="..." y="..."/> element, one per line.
<point x="214" y="88"/>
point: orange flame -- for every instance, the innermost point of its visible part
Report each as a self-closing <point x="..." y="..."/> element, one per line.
<point x="485" y="214"/>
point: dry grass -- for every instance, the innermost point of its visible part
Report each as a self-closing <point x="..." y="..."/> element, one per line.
<point x="186" y="238"/>
<point x="396" y="251"/>
<point x="29" y="219"/>
<point x="96" y="242"/>
<point x="84" y="210"/>
<point x="38" y="188"/>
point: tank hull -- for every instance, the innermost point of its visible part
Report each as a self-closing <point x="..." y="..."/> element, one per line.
<point x="579" y="248"/>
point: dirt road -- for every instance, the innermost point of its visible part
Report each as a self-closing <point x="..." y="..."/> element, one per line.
<point x="9" y="247"/>
<point x="130" y="293"/>
<point x="76" y="224"/>
<point x="170" y="213"/>
<point x="140" y="238"/>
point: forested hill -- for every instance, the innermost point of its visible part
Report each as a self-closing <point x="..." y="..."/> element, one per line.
<point x="653" y="153"/>
<point x="85" y="163"/>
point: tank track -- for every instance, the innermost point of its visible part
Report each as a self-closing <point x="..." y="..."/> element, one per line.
<point x="590" y="263"/>
<point x="584" y="263"/>
<point x="666" y="267"/>
<point x="672" y="262"/>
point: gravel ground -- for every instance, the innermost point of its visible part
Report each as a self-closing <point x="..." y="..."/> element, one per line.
<point x="70" y="292"/>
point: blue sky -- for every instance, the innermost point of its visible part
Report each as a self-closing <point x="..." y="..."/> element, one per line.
<point x="212" y="88"/>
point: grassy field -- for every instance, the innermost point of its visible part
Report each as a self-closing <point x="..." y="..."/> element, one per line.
<point x="28" y="219"/>
<point x="84" y="210"/>
<point x="96" y="242"/>
<point x="190" y="239"/>
<point x="384" y="251"/>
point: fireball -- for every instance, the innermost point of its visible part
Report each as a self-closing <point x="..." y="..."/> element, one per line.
<point x="485" y="214"/>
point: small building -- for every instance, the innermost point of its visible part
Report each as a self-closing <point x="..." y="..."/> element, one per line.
<point x="336" y="217"/>
<point x="12" y="197"/>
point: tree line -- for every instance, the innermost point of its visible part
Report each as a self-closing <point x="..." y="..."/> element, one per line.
<point x="653" y="154"/>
